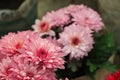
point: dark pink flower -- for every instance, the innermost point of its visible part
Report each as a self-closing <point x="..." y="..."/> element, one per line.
<point x="11" y="43"/>
<point x="5" y="68"/>
<point x="43" y="52"/>
<point x="18" y="68"/>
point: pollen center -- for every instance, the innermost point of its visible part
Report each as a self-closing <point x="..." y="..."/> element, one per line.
<point x="75" y="41"/>
<point x="41" y="53"/>
<point x="44" y="26"/>
<point x="29" y="74"/>
<point x="18" y="46"/>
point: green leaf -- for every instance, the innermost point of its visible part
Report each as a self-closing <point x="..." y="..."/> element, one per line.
<point x="109" y="66"/>
<point x="110" y="40"/>
<point x="92" y="67"/>
<point x="103" y="48"/>
<point x="73" y="65"/>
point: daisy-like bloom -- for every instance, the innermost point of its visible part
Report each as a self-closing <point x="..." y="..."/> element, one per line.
<point x="57" y="18"/>
<point x="89" y="18"/>
<point x="43" y="27"/>
<point x="76" y="40"/>
<point x="114" y="76"/>
<point x="11" y="43"/>
<point x="43" y="52"/>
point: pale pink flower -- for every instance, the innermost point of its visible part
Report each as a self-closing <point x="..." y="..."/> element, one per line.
<point x="74" y="8"/>
<point x="43" y="27"/>
<point x="77" y="40"/>
<point x="89" y="18"/>
<point x="43" y="52"/>
<point x="11" y="43"/>
<point x="57" y="18"/>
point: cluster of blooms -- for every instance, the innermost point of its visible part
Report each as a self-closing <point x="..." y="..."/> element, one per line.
<point x="77" y="24"/>
<point x="114" y="76"/>
<point x="32" y="55"/>
<point x="26" y="56"/>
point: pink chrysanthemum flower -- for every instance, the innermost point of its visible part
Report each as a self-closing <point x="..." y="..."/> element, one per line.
<point x="57" y="18"/>
<point x="17" y="68"/>
<point x="48" y="75"/>
<point x="74" y="8"/>
<point x="89" y="18"/>
<point x="5" y="69"/>
<point x="11" y="43"/>
<point x="2" y="56"/>
<point x="43" y="52"/>
<point x="27" y="71"/>
<point x="77" y="40"/>
<point x="43" y="27"/>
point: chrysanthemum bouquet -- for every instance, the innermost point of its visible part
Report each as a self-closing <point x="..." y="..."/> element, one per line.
<point x="68" y="42"/>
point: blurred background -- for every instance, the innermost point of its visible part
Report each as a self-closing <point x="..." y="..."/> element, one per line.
<point x="17" y="15"/>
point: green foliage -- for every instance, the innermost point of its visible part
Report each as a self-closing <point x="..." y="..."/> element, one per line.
<point x="109" y="66"/>
<point x="74" y="65"/>
<point x="105" y="65"/>
<point x="103" y="48"/>
<point x="97" y="58"/>
<point x="92" y="67"/>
